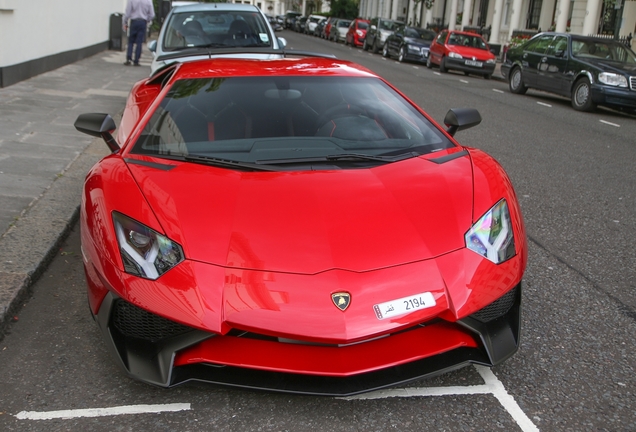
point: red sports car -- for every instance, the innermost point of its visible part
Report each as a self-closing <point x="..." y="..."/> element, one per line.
<point x="462" y="51"/>
<point x="296" y="225"/>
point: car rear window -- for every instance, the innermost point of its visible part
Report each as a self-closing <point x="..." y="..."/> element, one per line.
<point x="214" y="29"/>
<point x="254" y="118"/>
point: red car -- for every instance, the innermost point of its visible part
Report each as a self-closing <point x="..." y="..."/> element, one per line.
<point x="296" y="225"/>
<point x="357" y="32"/>
<point x="462" y="51"/>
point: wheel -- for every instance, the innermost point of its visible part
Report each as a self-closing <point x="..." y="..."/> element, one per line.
<point x="385" y="50"/>
<point x="365" y="47"/>
<point x="375" y="48"/>
<point x="402" y="55"/>
<point x="487" y="76"/>
<point x="428" y="62"/>
<point x="582" y="96"/>
<point x="515" y="82"/>
<point x="442" y="65"/>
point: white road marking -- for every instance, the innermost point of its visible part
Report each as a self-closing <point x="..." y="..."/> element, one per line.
<point x="545" y="104"/>
<point x="437" y="73"/>
<point x="492" y="386"/>
<point x="416" y="67"/>
<point x="464" y="81"/>
<point x="610" y="123"/>
<point x="102" y="412"/>
<point x="497" y="90"/>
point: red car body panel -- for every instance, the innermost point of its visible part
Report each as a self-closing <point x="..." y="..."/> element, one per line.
<point x="265" y="251"/>
<point x="355" y="34"/>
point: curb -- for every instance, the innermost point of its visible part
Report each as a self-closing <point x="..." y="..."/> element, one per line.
<point x="46" y="223"/>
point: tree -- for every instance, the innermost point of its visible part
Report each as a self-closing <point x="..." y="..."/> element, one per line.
<point x="344" y="8"/>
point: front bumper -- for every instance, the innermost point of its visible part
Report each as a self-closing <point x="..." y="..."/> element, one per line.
<point x="158" y="351"/>
<point x="461" y="65"/>
<point x="615" y="97"/>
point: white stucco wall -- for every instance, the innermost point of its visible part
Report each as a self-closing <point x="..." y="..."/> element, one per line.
<point x="32" y="29"/>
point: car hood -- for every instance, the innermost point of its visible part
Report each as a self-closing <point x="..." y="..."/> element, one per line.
<point x="479" y="54"/>
<point x="312" y="221"/>
<point x="611" y="66"/>
<point x="416" y="41"/>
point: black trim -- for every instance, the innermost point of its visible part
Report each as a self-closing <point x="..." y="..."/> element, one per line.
<point x="163" y="167"/>
<point x="450" y="157"/>
<point x="193" y="52"/>
<point x="13" y="74"/>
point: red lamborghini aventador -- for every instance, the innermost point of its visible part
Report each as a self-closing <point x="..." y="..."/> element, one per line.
<point x="296" y="225"/>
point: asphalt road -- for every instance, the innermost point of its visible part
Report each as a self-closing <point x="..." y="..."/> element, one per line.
<point x="575" y="371"/>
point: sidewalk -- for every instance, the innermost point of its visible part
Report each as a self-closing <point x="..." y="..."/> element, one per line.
<point x="43" y="161"/>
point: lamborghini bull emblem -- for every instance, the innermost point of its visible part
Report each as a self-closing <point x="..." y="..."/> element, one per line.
<point x="342" y="300"/>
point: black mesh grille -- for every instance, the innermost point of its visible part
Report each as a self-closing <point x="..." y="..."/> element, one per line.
<point x="497" y="308"/>
<point x="134" y="322"/>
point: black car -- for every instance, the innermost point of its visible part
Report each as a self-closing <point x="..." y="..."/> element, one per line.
<point x="379" y="29"/>
<point x="590" y="71"/>
<point x="409" y="43"/>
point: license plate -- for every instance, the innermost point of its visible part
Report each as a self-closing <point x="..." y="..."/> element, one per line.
<point x="474" y="63"/>
<point x="404" y="305"/>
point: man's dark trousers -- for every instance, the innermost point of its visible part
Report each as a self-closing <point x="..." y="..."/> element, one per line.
<point x="136" y="37"/>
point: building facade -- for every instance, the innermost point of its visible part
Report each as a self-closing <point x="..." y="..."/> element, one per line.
<point x="503" y="17"/>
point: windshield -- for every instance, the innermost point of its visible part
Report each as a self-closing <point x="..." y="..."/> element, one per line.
<point x="419" y="33"/>
<point x="467" y="40"/>
<point x="260" y="119"/>
<point x="219" y="29"/>
<point x="602" y="50"/>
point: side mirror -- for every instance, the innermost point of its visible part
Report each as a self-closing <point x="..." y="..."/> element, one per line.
<point x="282" y="42"/>
<point x="98" y="125"/>
<point x="152" y="46"/>
<point x="458" y="119"/>
<point x="373" y="27"/>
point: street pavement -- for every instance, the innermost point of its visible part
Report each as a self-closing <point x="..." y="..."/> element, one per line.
<point x="43" y="161"/>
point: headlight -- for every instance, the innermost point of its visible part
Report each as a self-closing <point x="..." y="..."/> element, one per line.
<point x="454" y="55"/>
<point x="413" y="48"/>
<point x="612" y="79"/>
<point x="145" y="252"/>
<point x="491" y="61"/>
<point x="359" y="33"/>
<point x="491" y="236"/>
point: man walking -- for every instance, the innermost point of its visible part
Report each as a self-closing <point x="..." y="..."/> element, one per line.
<point x="140" y="13"/>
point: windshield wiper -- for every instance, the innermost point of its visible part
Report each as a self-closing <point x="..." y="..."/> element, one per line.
<point x="224" y="163"/>
<point x="338" y="157"/>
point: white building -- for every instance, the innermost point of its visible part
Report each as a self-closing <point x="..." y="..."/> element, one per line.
<point x="505" y="16"/>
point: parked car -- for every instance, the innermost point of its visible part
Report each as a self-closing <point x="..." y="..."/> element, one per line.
<point x="276" y="26"/>
<point x="205" y="29"/>
<point x="379" y="29"/>
<point x="327" y="28"/>
<point x="320" y="27"/>
<point x="290" y="19"/>
<point x="588" y="70"/>
<point x="312" y="23"/>
<point x="296" y="225"/>
<point x="357" y="32"/>
<point x="463" y="51"/>
<point x="339" y="29"/>
<point x="299" y="24"/>
<point x="409" y="43"/>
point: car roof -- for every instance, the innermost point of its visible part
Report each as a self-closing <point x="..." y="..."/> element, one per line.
<point x="215" y="6"/>
<point x="297" y="66"/>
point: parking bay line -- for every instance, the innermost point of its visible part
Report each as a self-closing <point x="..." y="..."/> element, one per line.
<point x="492" y="386"/>
<point x="545" y="104"/>
<point x="497" y="90"/>
<point x="610" y="123"/>
<point x="102" y="412"/>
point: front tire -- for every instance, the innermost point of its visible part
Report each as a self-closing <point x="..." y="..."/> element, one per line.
<point x="582" y="96"/>
<point x="402" y="55"/>
<point x="442" y="65"/>
<point x="515" y="82"/>
<point x="385" y="51"/>
<point x="428" y="62"/>
<point x="375" y="48"/>
<point x="365" y="47"/>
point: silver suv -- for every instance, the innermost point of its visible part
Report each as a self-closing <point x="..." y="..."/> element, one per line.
<point x="214" y="29"/>
<point x="379" y="29"/>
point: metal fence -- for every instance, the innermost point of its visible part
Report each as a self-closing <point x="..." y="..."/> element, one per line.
<point x="625" y="40"/>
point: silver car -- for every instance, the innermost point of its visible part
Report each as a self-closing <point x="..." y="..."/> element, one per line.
<point x="214" y="29"/>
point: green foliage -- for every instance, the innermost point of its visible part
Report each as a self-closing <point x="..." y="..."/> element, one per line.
<point x="344" y="8"/>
